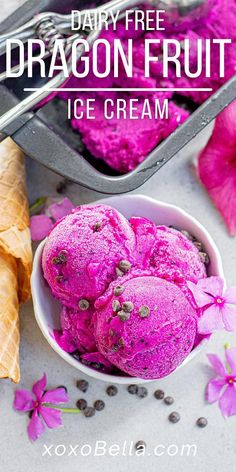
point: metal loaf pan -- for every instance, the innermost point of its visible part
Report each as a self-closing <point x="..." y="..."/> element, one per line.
<point x="46" y="136"/>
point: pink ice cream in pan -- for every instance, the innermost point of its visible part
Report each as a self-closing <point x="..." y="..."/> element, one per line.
<point x="139" y="263"/>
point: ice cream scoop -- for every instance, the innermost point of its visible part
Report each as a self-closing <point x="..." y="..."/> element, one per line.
<point x="85" y="251"/>
<point x="146" y="326"/>
<point x="170" y="254"/>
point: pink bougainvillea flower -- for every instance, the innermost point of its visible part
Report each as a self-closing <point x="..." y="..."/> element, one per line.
<point x="217" y="305"/>
<point x="41" y="404"/>
<point x="222" y="388"/>
<point x="40" y="226"/>
<point x="60" y="208"/>
<point x="217" y="166"/>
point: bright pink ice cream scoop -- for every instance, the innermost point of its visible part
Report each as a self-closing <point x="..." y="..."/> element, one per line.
<point x="77" y="332"/>
<point x="85" y="251"/>
<point x="145" y="326"/>
<point x="170" y="254"/>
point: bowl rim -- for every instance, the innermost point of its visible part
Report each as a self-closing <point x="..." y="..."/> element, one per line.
<point x="125" y="380"/>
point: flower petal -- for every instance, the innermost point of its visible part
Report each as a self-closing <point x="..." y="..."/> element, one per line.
<point x="213" y="390"/>
<point x="212" y="285"/>
<point x="39" y="387"/>
<point x="58" y="395"/>
<point x="227" y="402"/>
<point x="210" y="321"/>
<point x="230" y="355"/>
<point x="201" y="298"/>
<point x="229" y="317"/>
<point x="230" y="295"/>
<point x="217" y="169"/>
<point x="40" y="226"/>
<point x="23" y="400"/>
<point x="51" y="416"/>
<point x="35" y="427"/>
<point x="60" y="209"/>
<point x="217" y="365"/>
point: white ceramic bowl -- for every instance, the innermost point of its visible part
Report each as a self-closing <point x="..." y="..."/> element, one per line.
<point x="47" y="309"/>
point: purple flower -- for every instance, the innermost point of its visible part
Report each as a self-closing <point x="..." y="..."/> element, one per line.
<point x="222" y="388"/>
<point x="218" y="306"/>
<point x="43" y="412"/>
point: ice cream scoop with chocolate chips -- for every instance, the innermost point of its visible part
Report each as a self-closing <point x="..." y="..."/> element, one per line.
<point x="146" y="329"/>
<point x="84" y="251"/>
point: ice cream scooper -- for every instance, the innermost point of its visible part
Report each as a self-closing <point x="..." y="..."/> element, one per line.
<point x="51" y="26"/>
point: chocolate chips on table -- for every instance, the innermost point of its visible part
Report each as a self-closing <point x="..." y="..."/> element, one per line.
<point x="82" y="385"/>
<point x="132" y="389"/>
<point x="169" y="400"/>
<point x="142" y="392"/>
<point x="89" y="411"/>
<point x="202" y="422"/>
<point x="140" y="446"/>
<point x="159" y="394"/>
<point x="81" y="404"/>
<point x="112" y="390"/>
<point x="99" y="405"/>
<point x="174" y="417"/>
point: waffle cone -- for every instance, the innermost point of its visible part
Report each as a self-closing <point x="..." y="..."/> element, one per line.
<point x="15" y="254"/>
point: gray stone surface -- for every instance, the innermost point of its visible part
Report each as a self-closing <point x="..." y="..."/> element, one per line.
<point x="125" y="418"/>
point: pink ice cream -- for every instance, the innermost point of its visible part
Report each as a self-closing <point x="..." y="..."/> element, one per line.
<point x="85" y="251"/>
<point x="170" y="254"/>
<point x="146" y="327"/>
<point x="124" y="143"/>
<point x="77" y="332"/>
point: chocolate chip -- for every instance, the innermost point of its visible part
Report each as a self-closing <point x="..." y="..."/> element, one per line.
<point x="198" y="245"/>
<point x="204" y="258"/>
<point x="59" y="278"/>
<point x="118" y="290"/>
<point x="121" y="342"/>
<point x="81" y="404"/>
<point x="202" y="422"/>
<point x="159" y="394"/>
<point x="61" y="187"/>
<point x="83" y="304"/>
<point x="127" y="307"/>
<point x="142" y="392"/>
<point x="169" y="400"/>
<point x="30" y="413"/>
<point x="63" y="256"/>
<point x="124" y="266"/>
<point x="89" y="411"/>
<point x="82" y="385"/>
<point x="132" y="389"/>
<point x="97" y="226"/>
<point x="115" y="305"/>
<point x="144" y="311"/>
<point x="111" y="333"/>
<point x="187" y="235"/>
<point x="174" y="417"/>
<point x="119" y="273"/>
<point x="63" y="386"/>
<point x="112" y="390"/>
<point x="76" y="355"/>
<point x="140" y="446"/>
<point x="99" y="405"/>
<point x="123" y="315"/>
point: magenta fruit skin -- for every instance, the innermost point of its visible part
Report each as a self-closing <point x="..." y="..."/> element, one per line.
<point x="93" y="239"/>
<point x="151" y="347"/>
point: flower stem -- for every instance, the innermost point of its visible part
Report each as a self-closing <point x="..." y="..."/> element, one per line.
<point x="62" y="409"/>
<point x="36" y="206"/>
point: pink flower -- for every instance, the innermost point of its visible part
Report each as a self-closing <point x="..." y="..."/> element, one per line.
<point x="217" y="166"/>
<point x="218" y="306"/>
<point x="53" y="210"/>
<point x="222" y="388"/>
<point x="43" y="412"/>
